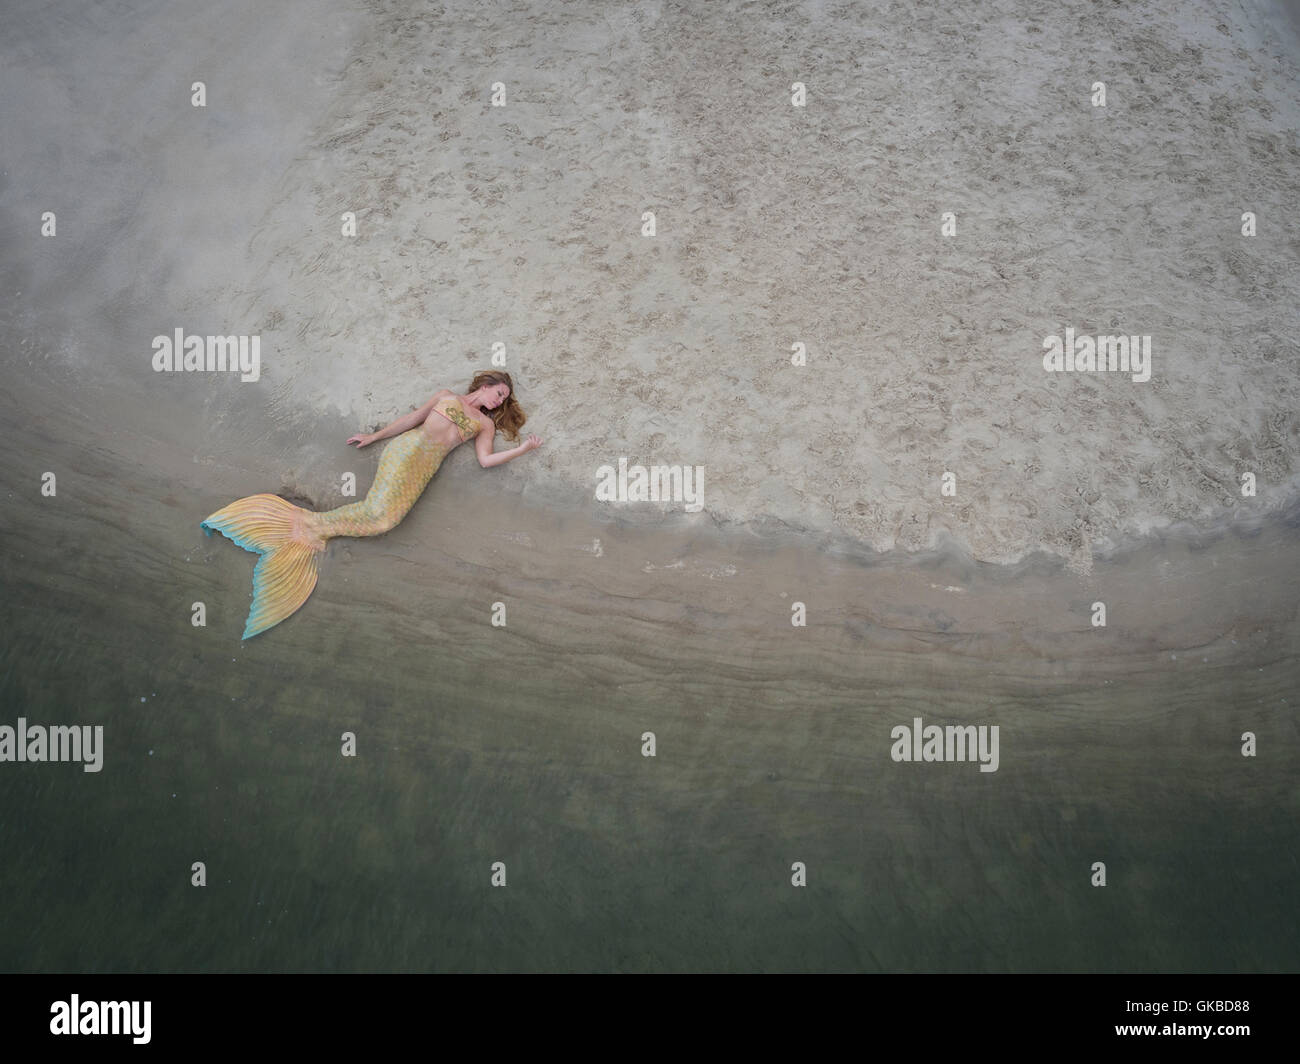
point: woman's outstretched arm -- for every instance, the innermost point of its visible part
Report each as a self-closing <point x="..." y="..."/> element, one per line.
<point x="488" y="457"/>
<point x="402" y="424"/>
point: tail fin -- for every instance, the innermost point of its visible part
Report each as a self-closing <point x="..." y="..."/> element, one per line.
<point x="286" y="572"/>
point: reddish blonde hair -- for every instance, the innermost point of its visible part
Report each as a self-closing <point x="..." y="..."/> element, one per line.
<point x="509" y="417"/>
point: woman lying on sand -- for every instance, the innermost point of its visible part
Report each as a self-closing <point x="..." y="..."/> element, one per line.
<point x="291" y="539"/>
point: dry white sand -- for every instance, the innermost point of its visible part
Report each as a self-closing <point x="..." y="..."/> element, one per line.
<point x="521" y="224"/>
<point x="775" y="225"/>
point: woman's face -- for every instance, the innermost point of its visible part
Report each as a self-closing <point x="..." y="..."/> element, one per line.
<point x="495" y="395"/>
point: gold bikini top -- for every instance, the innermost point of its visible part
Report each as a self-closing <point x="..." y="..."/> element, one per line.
<point x="455" y="413"/>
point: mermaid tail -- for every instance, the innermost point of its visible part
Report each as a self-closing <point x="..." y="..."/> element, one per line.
<point x="405" y="468"/>
<point x="286" y="572"/>
<point x="291" y="539"/>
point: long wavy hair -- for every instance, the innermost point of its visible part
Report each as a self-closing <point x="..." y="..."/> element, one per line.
<point x="509" y="417"/>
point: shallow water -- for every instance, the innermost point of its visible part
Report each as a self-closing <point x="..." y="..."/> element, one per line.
<point x="522" y="744"/>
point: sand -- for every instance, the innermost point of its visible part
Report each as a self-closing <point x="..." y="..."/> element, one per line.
<point x="776" y="225"/>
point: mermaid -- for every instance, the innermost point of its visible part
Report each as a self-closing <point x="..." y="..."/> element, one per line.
<point x="291" y="539"/>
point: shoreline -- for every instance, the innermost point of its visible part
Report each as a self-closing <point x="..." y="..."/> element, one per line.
<point x="677" y="550"/>
<point x="281" y="444"/>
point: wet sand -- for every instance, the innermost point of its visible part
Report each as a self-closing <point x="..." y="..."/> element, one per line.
<point x="523" y="743"/>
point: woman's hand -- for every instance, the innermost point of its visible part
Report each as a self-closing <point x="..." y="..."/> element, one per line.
<point x="361" y="439"/>
<point x="532" y="443"/>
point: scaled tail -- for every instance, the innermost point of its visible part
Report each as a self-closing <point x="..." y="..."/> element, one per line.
<point x="286" y="572"/>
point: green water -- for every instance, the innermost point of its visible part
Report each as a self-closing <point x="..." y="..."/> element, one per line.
<point x="479" y="745"/>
